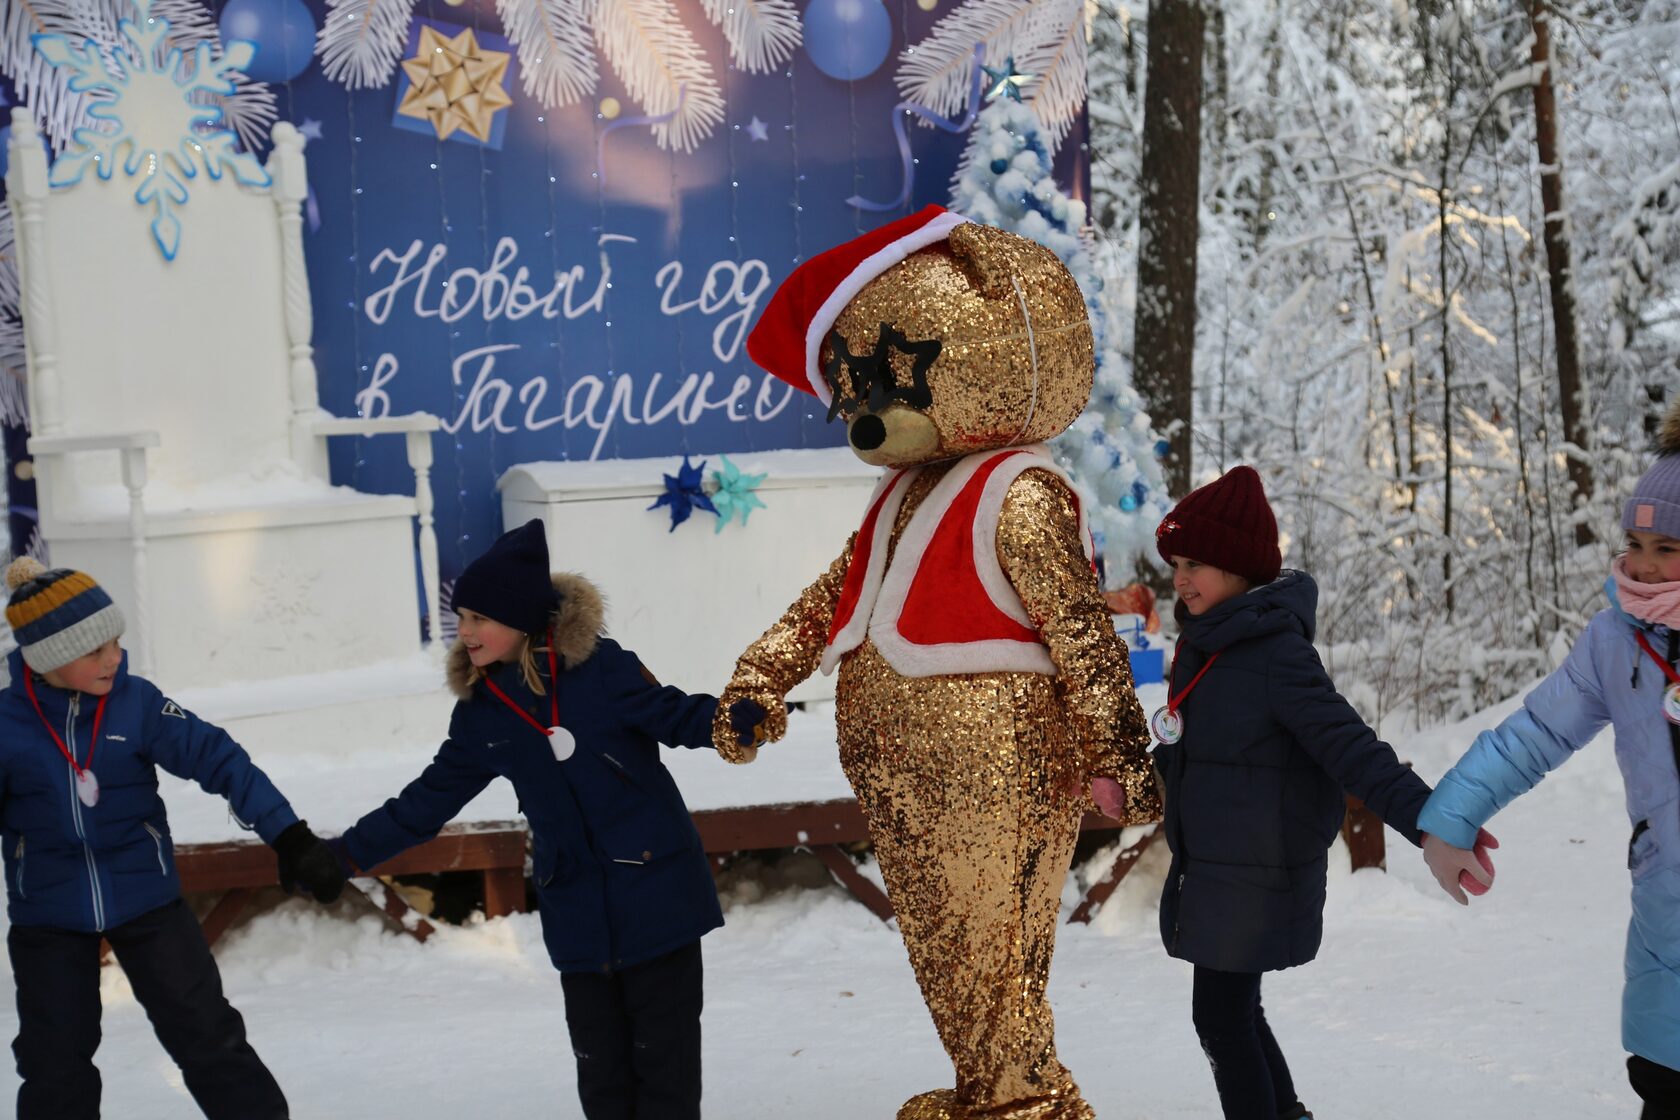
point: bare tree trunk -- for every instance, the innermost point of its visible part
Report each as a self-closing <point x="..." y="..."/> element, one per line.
<point x="1555" y="225"/>
<point x="1165" y="334"/>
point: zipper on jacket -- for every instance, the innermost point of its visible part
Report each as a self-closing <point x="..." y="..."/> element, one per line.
<point x="157" y="838"/>
<point x="76" y="814"/>
<point x="18" y="856"/>
<point x="1177" y="910"/>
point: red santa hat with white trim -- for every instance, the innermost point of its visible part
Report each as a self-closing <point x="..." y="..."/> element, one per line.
<point x="787" y="342"/>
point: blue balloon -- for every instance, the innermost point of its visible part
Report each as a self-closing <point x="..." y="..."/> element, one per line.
<point x="283" y="32"/>
<point x="847" y="39"/>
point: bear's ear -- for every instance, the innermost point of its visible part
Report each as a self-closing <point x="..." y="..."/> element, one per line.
<point x="986" y="256"/>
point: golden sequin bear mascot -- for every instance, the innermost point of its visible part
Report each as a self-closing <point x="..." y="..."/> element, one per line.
<point x="981" y="683"/>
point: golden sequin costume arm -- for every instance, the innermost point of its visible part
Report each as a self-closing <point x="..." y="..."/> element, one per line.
<point x="1040" y="547"/>
<point x="786" y="654"/>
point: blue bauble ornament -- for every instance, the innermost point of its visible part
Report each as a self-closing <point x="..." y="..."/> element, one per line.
<point x="283" y="32"/>
<point x="847" y="39"/>
<point x="1162" y="448"/>
<point x="999" y="166"/>
<point x="1128" y="502"/>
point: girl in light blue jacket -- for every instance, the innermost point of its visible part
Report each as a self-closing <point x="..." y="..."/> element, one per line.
<point x="1622" y="672"/>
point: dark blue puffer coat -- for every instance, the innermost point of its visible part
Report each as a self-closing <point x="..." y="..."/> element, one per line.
<point x="1254" y="789"/>
<point x="91" y="869"/>
<point x="620" y="873"/>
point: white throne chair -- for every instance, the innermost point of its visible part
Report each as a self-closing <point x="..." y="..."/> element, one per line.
<point x="179" y="445"/>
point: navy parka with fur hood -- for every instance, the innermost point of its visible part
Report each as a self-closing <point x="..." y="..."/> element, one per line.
<point x="620" y="873"/>
<point x="1254" y="789"/>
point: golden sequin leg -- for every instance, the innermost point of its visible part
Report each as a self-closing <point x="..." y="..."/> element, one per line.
<point x="965" y="783"/>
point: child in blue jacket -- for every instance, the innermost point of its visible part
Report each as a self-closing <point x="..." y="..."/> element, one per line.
<point x="88" y="855"/>
<point x="1622" y="671"/>
<point x="623" y="885"/>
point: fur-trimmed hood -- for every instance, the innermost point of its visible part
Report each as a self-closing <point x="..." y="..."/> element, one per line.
<point x="575" y="626"/>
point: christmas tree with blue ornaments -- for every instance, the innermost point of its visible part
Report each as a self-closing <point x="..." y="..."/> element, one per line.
<point x="1112" y="451"/>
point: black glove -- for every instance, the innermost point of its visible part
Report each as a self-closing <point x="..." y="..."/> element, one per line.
<point x="744" y="718"/>
<point x="307" y="862"/>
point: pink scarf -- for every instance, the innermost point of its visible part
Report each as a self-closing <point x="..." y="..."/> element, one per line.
<point x="1657" y="603"/>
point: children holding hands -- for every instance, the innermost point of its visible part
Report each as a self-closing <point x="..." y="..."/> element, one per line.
<point x="1255" y="750"/>
<point x="623" y="885"/>
<point x="88" y="856"/>
<point x="1621" y="672"/>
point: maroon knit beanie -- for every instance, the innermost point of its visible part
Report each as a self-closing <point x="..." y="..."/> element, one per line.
<point x="1227" y="523"/>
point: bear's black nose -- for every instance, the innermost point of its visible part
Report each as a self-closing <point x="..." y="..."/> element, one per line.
<point x="867" y="433"/>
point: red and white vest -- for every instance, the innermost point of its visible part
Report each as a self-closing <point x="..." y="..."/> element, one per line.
<point x="945" y="606"/>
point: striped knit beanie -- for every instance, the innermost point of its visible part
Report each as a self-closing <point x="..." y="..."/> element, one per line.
<point x="58" y="615"/>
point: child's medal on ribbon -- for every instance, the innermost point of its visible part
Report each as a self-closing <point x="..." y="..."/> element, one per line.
<point x="562" y="742"/>
<point x="1671" y="694"/>
<point x="1166" y="725"/>
<point x="87" y="786"/>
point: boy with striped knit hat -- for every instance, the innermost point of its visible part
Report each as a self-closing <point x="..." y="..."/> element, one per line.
<point x="87" y="855"/>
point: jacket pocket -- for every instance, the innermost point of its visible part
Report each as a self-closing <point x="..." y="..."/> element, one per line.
<point x="646" y="836"/>
<point x="1642" y="849"/>
<point x="18" y="858"/>
<point x="157" y="839"/>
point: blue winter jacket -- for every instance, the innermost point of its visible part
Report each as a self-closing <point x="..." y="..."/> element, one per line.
<point x="92" y="869"/>
<point x="620" y="872"/>
<point x="1607" y="678"/>
<point x="1253" y="791"/>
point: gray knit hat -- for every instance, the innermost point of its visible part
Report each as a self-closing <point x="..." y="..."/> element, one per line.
<point x="1655" y="505"/>
<point x="58" y="615"/>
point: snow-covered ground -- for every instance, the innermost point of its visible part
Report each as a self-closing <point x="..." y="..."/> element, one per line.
<point x="1415" y="1008"/>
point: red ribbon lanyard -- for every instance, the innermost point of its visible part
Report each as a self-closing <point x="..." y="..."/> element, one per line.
<point x="98" y="714"/>
<point x="553" y="697"/>
<point x="1668" y="670"/>
<point x="1174" y="701"/>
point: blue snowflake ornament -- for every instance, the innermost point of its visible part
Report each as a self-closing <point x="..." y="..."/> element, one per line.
<point x="685" y="493"/>
<point x="734" y="493"/>
<point x="149" y="126"/>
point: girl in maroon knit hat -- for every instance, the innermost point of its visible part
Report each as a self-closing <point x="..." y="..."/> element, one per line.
<point x="1255" y="748"/>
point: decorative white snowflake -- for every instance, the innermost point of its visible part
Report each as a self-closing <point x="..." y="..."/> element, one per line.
<point x="149" y="127"/>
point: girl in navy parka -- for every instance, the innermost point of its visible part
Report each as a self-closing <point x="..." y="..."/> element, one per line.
<point x="623" y="885"/>
<point x="1256" y="747"/>
<point x="88" y="855"/>
<point x="1622" y="672"/>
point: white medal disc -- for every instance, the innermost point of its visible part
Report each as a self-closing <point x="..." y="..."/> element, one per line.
<point x="563" y="742"/>
<point x="87" y="788"/>
<point x="1166" y="725"/>
<point x="1671" y="703"/>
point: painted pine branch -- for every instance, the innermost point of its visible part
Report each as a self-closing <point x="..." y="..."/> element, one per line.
<point x="663" y="68"/>
<point x="556" y="48"/>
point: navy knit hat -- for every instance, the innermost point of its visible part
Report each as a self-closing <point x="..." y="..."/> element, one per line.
<point x="58" y="615"/>
<point x="1655" y="505"/>
<point x="1227" y="523"/>
<point x="510" y="583"/>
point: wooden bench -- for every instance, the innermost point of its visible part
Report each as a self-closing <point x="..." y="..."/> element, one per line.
<point x="496" y="850"/>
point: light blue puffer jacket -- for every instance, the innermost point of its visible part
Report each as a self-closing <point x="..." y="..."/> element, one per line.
<point x="1606" y="679"/>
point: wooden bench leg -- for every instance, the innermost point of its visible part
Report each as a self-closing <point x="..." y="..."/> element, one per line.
<point x="504" y="891"/>
<point x="846" y="871"/>
<point x="225" y="913"/>
<point x="1104" y="887"/>
<point x="405" y="916"/>
<point x="1363" y="831"/>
